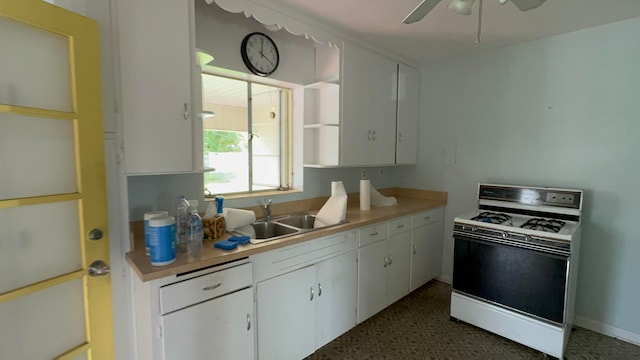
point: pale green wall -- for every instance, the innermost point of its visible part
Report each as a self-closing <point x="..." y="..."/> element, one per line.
<point x="562" y="112"/>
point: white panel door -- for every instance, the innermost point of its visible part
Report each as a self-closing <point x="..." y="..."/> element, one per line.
<point x="399" y="268"/>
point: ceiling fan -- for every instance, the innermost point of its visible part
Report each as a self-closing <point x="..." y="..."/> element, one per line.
<point x="463" y="7"/>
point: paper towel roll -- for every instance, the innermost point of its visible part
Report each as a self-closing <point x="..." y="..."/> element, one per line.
<point x="236" y="218"/>
<point x="365" y="195"/>
<point x="334" y="210"/>
<point x="378" y="199"/>
<point x="337" y="188"/>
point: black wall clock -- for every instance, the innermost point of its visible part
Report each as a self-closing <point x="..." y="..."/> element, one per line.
<point x="260" y="54"/>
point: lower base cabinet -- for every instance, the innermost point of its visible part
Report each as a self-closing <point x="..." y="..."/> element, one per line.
<point x="426" y="247"/>
<point x="383" y="271"/>
<point x="304" y="309"/>
<point x="216" y="329"/>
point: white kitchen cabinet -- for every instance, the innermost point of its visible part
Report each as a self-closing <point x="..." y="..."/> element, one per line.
<point x="426" y="247"/>
<point x="156" y="64"/>
<point x="407" y="115"/>
<point x="383" y="269"/>
<point x="306" y="295"/>
<point x="217" y="329"/>
<point x="196" y="315"/>
<point x="336" y="281"/>
<point x="368" y="98"/>
<point x="286" y="315"/>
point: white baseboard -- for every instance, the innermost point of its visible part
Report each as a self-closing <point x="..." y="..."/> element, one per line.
<point x="445" y="279"/>
<point x="609" y="330"/>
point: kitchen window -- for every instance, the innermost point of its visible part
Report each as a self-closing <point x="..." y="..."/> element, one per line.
<point x="245" y="136"/>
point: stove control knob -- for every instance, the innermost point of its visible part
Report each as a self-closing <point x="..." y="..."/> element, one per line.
<point x="527" y="238"/>
<point x="505" y="234"/>
<point x="474" y="228"/>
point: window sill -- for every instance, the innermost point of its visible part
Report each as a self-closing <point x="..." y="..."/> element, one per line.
<point x="257" y="194"/>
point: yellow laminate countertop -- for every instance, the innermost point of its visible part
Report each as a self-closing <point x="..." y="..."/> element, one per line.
<point x="409" y="202"/>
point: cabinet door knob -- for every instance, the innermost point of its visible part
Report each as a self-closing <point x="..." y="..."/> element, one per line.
<point x="374" y="134"/>
<point x="414" y="249"/>
<point x="311" y="298"/>
<point x="319" y="290"/>
<point x="386" y="262"/>
<point x="248" y="322"/>
<point x="390" y="260"/>
<point x="369" y="135"/>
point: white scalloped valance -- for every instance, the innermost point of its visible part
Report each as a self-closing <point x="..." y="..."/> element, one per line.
<point x="273" y="18"/>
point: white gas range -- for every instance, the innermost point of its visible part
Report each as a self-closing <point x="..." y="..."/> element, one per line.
<point x="515" y="264"/>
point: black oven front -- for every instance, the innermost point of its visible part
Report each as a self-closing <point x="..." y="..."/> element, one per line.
<point x="529" y="281"/>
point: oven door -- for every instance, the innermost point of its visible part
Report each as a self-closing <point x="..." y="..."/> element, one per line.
<point x="530" y="281"/>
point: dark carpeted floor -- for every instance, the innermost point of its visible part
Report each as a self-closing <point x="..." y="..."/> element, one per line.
<point x="418" y="327"/>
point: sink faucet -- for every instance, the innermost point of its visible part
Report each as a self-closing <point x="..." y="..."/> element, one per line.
<point x="267" y="209"/>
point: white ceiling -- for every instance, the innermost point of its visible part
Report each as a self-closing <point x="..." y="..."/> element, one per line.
<point x="443" y="34"/>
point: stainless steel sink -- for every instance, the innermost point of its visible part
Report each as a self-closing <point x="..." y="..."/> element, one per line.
<point x="283" y="226"/>
<point x="300" y="221"/>
<point x="271" y="229"/>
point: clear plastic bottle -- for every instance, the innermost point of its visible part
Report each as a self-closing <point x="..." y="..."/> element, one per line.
<point x="195" y="231"/>
<point x="182" y="224"/>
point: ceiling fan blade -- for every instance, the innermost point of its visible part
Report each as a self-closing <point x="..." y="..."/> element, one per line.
<point x="525" y="5"/>
<point x="420" y="11"/>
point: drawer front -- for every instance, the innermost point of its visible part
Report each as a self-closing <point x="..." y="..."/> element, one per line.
<point x="370" y="234"/>
<point x="178" y="295"/>
<point x="293" y="257"/>
<point x="399" y="225"/>
<point x="426" y="218"/>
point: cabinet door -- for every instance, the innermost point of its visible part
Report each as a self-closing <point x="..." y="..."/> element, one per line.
<point x="407" y="117"/>
<point x="336" y="284"/>
<point x="155" y="66"/>
<point x="221" y="328"/>
<point x="420" y="256"/>
<point x="399" y="268"/>
<point x="368" y="101"/>
<point x="372" y="288"/>
<point x="426" y="250"/>
<point x="286" y="315"/>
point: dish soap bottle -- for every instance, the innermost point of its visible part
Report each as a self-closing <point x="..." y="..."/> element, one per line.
<point x="195" y="231"/>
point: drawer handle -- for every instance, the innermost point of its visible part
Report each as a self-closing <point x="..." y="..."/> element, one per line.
<point x="427" y="217"/>
<point x="374" y="234"/>
<point x="212" y="287"/>
<point x="311" y="298"/>
<point x="248" y="322"/>
<point x="400" y="226"/>
<point x="319" y="290"/>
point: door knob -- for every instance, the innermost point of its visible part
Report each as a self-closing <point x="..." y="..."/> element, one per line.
<point x="95" y="234"/>
<point x="99" y="268"/>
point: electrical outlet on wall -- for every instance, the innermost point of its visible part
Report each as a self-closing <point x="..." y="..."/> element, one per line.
<point x="363" y="174"/>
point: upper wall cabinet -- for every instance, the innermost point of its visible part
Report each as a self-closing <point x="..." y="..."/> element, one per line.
<point x="369" y="85"/>
<point x="365" y="116"/>
<point x="156" y="47"/>
<point x="407" y="116"/>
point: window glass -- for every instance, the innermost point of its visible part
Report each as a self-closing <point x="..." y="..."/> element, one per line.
<point x="244" y="139"/>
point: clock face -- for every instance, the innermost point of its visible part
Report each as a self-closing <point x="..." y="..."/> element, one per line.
<point x="260" y="54"/>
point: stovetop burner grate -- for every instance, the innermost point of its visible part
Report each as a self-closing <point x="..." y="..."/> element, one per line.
<point x="550" y="225"/>
<point x="493" y="218"/>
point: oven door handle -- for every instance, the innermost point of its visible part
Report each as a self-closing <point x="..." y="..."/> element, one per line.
<point x="560" y="254"/>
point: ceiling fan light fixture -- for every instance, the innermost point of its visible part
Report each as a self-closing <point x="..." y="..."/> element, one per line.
<point x="462" y="7"/>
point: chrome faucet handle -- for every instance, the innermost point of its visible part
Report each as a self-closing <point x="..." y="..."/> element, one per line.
<point x="267" y="208"/>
